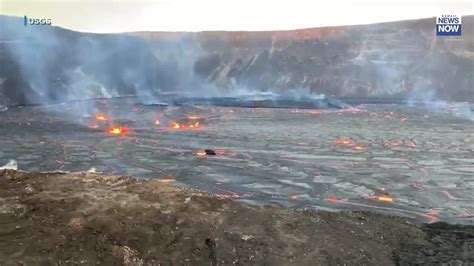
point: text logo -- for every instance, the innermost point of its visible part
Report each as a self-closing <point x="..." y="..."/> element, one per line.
<point x="448" y="25"/>
<point x="36" y="21"/>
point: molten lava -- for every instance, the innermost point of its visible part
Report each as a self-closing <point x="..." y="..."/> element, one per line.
<point x="295" y="197"/>
<point x="93" y="126"/>
<point x="382" y="195"/>
<point x="385" y="198"/>
<point x="117" y="130"/>
<point x="194" y="117"/>
<point x="177" y="125"/>
<point x="397" y="143"/>
<point x="314" y="112"/>
<point x="201" y="153"/>
<point x="333" y="199"/>
<point x="194" y="125"/>
<point x="101" y="117"/>
<point x="167" y="180"/>
<point x="351" y="143"/>
<point x="359" y="147"/>
<point x="345" y="142"/>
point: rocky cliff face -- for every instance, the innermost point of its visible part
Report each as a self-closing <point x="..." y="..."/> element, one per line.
<point x="395" y="60"/>
<point x="399" y="59"/>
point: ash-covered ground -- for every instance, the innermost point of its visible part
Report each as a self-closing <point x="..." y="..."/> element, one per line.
<point x="88" y="218"/>
<point x="396" y="159"/>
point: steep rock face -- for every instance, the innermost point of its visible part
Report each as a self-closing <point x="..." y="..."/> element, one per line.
<point x="396" y="60"/>
<point x="399" y="59"/>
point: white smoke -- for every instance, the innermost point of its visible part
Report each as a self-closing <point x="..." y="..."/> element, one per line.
<point x="11" y="165"/>
<point x="84" y="86"/>
<point x="427" y="98"/>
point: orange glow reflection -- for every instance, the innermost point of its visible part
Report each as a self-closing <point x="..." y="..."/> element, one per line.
<point x="101" y="117"/>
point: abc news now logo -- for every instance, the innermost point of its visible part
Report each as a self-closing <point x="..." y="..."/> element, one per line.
<point x="448" y="25"/>
<point x="36" y="21"/>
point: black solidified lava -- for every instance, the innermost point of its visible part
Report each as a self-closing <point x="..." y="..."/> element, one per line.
<point x="210" y="152"/>
<point x="276" y="102"/>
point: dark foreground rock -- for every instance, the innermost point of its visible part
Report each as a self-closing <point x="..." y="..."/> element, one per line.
<point x="91" y="218"/>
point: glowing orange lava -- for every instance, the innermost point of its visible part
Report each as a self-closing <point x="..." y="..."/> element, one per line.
<point x="176" y="125"/>
<point x="314" y="112"/>
<point x="385" y="198"/>
<point x="201" y="153"/>
<point x="433" y="216"/>
<point x="333" y="199"/>
<point x="194" y="125"/>
<point x="345" y="141"/>
<point x="194" y="117"/>
<point x="295" y="197"/>
<point x="351" y="143"/>
<point x="116" y="130"/>
<point x="359" y="148"/>
<point x="167" y="180"/>
<point x="93" y="126"/>
<point x="101" y="117"/>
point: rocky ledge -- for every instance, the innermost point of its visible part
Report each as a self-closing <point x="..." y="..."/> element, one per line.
<point x="88" y="218"/>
